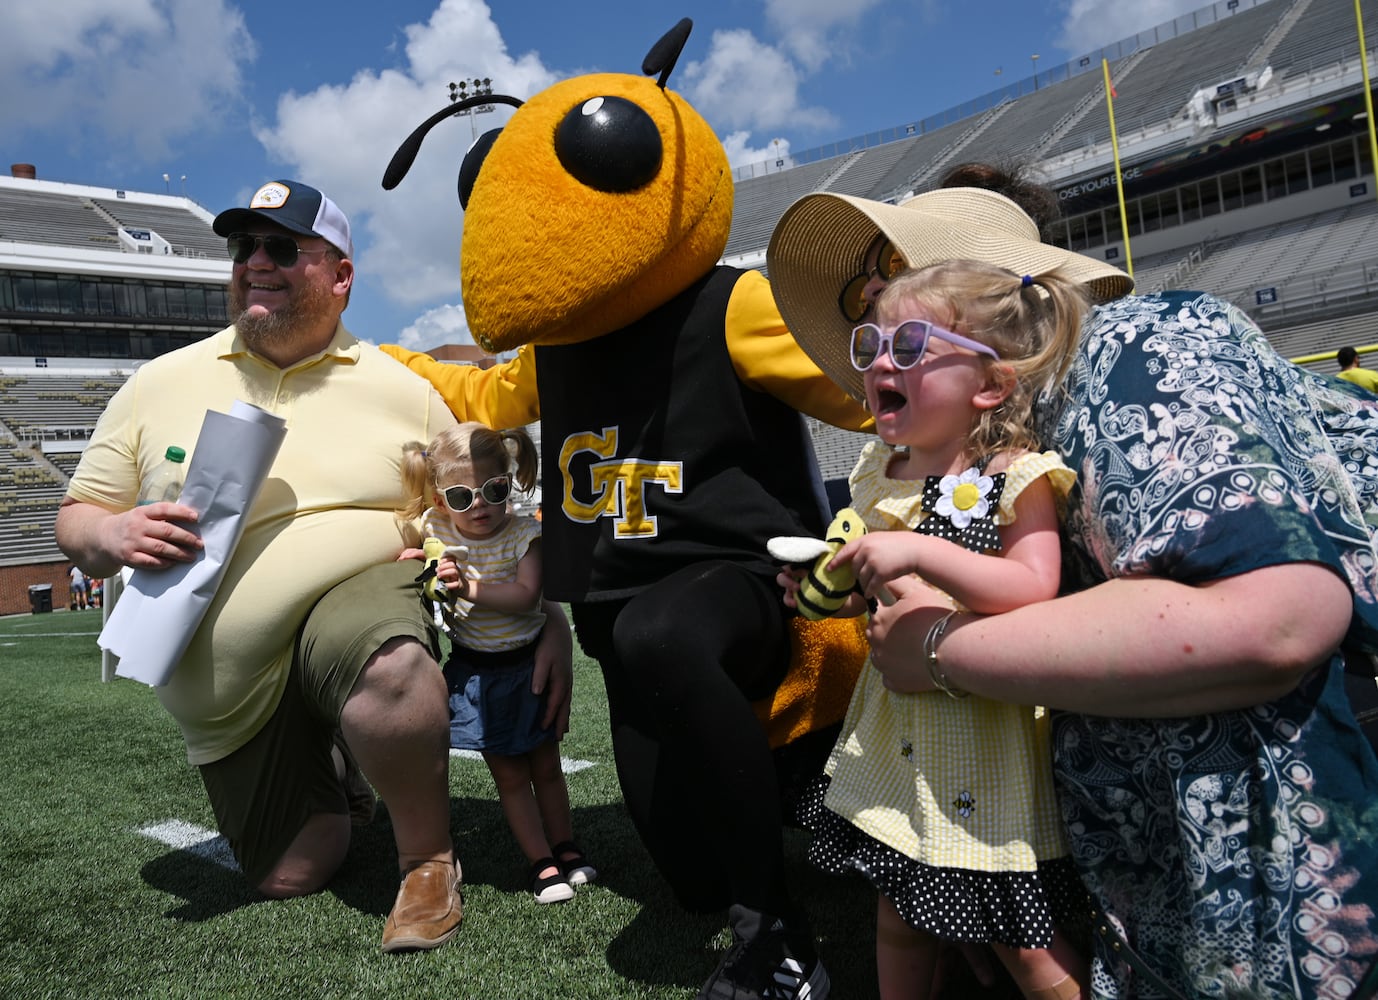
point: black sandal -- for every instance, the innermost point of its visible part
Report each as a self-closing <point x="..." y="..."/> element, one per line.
<point x="577" y="869"/>
<point x="552" y="888"/>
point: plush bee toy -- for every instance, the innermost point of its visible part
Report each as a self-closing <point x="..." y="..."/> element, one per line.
<point x="669" y="395"/>
<point x="440" y="598"/>
<point x="822" y="592"/>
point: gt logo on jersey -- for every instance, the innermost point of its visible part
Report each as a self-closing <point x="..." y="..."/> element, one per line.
<point x="614" y="487"/>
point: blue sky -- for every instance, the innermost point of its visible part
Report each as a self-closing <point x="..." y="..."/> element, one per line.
<point x="221" y="96"/>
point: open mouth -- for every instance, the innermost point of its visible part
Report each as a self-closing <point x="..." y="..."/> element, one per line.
<point x="889" y="401"/>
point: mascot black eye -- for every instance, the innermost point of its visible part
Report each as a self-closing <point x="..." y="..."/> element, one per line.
<point x="609" y="144"/>
<point x="473" y="160"/>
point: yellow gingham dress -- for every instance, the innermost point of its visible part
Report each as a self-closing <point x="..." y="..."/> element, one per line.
<point x="949" y="783"/>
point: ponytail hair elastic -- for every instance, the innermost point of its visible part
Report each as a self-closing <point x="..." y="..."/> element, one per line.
<point x="1026" y="281"/>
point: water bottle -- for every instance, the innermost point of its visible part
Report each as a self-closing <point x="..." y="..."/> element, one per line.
<point x="164" y="481"/>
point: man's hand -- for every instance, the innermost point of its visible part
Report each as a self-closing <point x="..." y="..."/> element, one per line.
<point x="102" y="542"/>
<point x="554" y="669"/>
<point x="154" y="536"/>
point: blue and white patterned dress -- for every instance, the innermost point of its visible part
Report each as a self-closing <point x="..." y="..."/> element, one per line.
<point x="1238" y="849"/>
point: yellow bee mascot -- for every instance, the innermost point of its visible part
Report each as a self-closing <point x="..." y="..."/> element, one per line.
<point x="669" y="393"/>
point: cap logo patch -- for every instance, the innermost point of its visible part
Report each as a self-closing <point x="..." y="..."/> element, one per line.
<point x="272" y="195"/>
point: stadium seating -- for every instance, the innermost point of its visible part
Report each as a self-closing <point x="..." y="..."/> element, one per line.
<point x="57" y="408"/>
<point x="1326" y="262"/>
<point x="53" y="220"/>
<point x="1159" y="86"/>
<point x="188" y="234"/>
<point x="1325" y="38"/>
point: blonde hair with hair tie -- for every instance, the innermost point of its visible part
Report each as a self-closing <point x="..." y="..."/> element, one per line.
<point x="425" y="468"/>
<point x="1032" y="321"/>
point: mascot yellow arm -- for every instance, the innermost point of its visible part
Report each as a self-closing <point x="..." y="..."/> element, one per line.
<point x="768" y="359"/>
<point x="502" y="396"/>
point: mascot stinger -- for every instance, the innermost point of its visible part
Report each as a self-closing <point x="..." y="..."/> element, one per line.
<point x="670" y="394"/>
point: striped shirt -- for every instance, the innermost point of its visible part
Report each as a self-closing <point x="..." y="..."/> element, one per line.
<point x="492" y="560"/>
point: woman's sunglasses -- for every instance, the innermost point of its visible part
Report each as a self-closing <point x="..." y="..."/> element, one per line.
<point x="282" y="250"/>
<point x="852" y="300"/>
<point x="460" y="498"/>
<point x="906" y="344"/>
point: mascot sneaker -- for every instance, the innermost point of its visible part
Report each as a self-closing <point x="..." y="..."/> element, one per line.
<point x="767" y="961"/>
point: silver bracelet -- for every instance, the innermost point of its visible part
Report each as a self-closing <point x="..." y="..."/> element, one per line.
<point x="930" y="655"/>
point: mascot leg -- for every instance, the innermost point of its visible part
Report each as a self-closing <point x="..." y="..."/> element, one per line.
<point x="682" y="662"/>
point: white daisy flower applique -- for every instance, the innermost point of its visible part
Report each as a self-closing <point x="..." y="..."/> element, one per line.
<point x="964" y="498"/>
<point x="961" y="509"/>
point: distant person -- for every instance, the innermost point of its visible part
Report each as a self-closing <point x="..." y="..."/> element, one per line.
<point x="77" y="589"/>
<point x="945" y="802"/>
<point x="316" y="651"/>
<point x="1350" y="371"/>
<point x="460" y="486"/>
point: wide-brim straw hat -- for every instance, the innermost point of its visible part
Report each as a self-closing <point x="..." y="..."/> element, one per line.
<point x="819" y="244"/>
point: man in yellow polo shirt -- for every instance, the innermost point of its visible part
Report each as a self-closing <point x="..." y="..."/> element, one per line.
<point x="1350" y="371"/>
<point x="315" y="659"/>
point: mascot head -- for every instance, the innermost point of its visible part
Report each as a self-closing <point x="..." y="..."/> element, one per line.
<point x="603" y="197"/>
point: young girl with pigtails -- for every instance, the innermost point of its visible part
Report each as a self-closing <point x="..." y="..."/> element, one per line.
<point x="944" y="801"/>
<point x="460" y="485"/>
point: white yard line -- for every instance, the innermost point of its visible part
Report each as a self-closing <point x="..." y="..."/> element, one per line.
<point x="183" y="836"/>
<point x="211" y="846"/>
<point x="567" y="764"/>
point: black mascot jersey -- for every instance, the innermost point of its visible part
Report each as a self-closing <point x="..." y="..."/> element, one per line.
<point x="655" y="456"/>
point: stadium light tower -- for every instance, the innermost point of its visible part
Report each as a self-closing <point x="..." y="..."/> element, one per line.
<point x="472" y="88"/>
<point x="167" y="183"/>
<point x="1034" y="59"/>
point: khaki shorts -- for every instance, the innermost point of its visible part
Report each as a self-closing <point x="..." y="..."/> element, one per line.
<point x="265" y="791"/>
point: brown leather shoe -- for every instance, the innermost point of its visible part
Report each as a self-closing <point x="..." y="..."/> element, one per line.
<point x="428" y="909"/>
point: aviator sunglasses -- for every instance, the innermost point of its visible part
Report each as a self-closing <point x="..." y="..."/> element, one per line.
<point x="852" y="299"/>
<point x="281" y="250"/>
<point x="460" y="498"/>
<point x="906" y="344"/>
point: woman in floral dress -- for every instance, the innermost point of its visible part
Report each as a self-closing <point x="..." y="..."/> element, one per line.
<point x="1220" y="801"/>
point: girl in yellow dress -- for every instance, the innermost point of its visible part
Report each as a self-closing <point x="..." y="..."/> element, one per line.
<point x="944" y="801"/>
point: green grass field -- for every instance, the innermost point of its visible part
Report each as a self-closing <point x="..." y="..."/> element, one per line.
<point x="92" y="904"/>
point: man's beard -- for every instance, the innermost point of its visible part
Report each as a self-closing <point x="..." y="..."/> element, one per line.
<point x="306" y="304"/>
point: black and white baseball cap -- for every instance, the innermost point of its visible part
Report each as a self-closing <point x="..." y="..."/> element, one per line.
<point x="296" y="207"/>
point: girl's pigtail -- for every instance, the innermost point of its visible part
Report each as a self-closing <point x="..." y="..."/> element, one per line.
<point x="525" y="458"/>
<point x="416" y="481"/>
<point x="1064" y="307"/>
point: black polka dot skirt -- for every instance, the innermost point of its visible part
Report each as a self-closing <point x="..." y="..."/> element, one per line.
<point x="1018" y="909"/>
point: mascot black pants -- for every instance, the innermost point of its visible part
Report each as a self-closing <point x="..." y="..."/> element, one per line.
<point x="682" y="661"/>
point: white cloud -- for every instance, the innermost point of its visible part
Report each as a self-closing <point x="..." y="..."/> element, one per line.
<point x="135" y="74"/>
<point x="740" y="152"/>
<point x="342" y="136"/>
<point x="1090" y="24"/>
<point x="745" y="83"/>
<point x="436" y="327"/>
<point x="809" y="29"/>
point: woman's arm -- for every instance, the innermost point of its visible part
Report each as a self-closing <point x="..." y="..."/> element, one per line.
<point x="1139" y="646"/>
